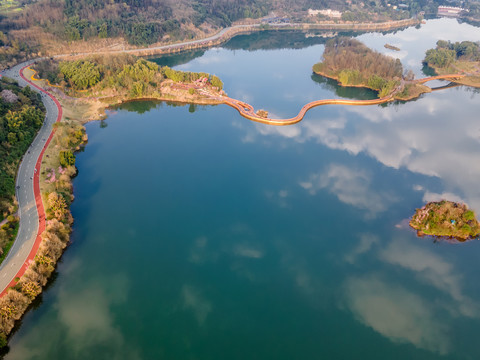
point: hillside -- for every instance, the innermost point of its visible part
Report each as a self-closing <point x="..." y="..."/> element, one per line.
<point x="36" y="27"/>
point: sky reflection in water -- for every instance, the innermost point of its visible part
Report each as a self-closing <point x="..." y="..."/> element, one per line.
<point x="253" y="241"/>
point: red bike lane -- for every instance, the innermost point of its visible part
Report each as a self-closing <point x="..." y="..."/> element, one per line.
<point x="36" y="191"/>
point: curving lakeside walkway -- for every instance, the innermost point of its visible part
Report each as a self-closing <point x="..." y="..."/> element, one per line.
<point x="31" y="210"/>
<point x="438" y="77"/>
<point x="248" y="112"/>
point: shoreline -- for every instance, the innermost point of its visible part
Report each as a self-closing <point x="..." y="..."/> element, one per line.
<point x="459" y="79"/>
<point x="228" y="33"/>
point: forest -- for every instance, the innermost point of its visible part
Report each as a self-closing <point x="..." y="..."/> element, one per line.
<point x="352" y="63"/>
<point x="140" y="22"/>
<point x="126" y="74"/>
<point x="21" y="115"/>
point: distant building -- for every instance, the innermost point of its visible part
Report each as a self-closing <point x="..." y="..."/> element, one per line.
<point x="334" y="14"/>
<point x="450" y="11"/>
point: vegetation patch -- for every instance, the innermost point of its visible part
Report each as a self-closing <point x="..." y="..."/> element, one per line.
<point x="456" y="58"/>
<point x="446" y="218"/>
<point x="352" y="63"/>
<point x="56" y="188"/>
<point x="8" y="233"/>
<point x="391" y="47"/>
<point x="101" y="81"/>
<point x="21" y="115"/>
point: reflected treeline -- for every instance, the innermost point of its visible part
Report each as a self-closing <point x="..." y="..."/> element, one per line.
<point x="287" y="39"/>
<point x="356" y="93"/>
<point x="172" y="60"/>
<point x="140" y="107"/>
<point x="264" y="40"/>
<point x="278" y="39"/>
<point x="143" y="106"/>
<point x="428" y="71"/>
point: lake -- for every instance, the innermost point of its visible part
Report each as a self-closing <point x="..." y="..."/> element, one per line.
<point x="201" y="235"/>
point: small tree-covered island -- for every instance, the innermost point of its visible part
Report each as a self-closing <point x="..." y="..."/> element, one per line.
<point x="446" y="218"/>
<point x="352" y="63"/>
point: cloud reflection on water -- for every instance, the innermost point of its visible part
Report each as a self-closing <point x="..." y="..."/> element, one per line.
<point x="431" y="270"/>
<point x="399" y="310"/>
<point x="431" y="136"/>
<point x="396" y="313"/>
<point x="351" y="186"/>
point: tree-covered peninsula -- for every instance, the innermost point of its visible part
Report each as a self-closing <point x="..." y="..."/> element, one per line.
<point x="459" y="57"/>
<point x="101" y="81"/>
<point x="446" y="218"/>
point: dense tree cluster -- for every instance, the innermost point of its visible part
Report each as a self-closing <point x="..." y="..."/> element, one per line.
<point x="446" y="53"/>
<point x="346" y="53"/>
<point x="223" y="13"/>
<point x="141" y="22"/>
<point x="67" y="158"/>
<point x="128" y="73"/>
<point x="353" y="63"/>
<point x="81" y="74"/>
<point x="189" y="77"/>
<point x="19" y="122"/>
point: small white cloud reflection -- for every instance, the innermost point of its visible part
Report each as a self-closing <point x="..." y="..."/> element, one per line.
<point x="351" y="186"/>
<point x="279" y="198"/>
<point x="402" y="54"/>
<point x="285" y="131"/>
<point x="395" y="313"/>
<point x="248" y="251"/>
<point x="418" y="187"/>
<point x="193" y="300"/>
<point x="364" y="246"/>
<point x="199" y="252"/>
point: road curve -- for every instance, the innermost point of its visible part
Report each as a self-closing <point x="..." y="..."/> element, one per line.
<point x="31" y="211"/>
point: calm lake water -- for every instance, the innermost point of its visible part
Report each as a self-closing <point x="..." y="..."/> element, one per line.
<point x="201" y="235"/>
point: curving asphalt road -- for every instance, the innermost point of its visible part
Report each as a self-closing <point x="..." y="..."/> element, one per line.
<point x="26" y="244"/>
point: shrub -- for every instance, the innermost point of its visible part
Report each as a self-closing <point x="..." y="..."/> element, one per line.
<point x="67" y="158"/>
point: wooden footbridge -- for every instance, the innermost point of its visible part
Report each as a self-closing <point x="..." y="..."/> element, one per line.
<point x="439" y="77"/>
<point x="248" y="112"/>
